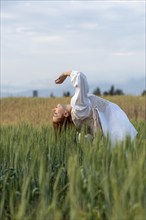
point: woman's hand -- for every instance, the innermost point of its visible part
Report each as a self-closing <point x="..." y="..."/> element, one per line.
<point x="60" y="79"/>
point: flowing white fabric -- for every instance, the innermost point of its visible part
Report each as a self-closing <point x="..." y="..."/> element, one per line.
<point x="113" y="119"/>
<point x="80" y="101"/>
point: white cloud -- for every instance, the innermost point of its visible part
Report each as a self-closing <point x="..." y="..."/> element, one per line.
<point x="127" y="53"/>
<point x="28" y="4"/>
<point x="7" y="16"/>
<point x="48" y="39"/>
<point x="25" y="30"/>
<point x="90" y="5"/>
<point x="90" y="26"/>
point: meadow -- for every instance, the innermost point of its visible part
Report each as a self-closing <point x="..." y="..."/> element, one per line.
<point x="43" y="178"/>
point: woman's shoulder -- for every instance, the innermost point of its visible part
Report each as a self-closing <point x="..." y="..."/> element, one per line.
<point x="98" y="102"/>
<point x="95" y="98"/>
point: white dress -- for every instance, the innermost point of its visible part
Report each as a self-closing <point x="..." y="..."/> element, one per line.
<point x="92" y="110"/>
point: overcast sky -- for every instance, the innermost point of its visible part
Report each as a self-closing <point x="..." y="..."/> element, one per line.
<point x="40" y="39"/>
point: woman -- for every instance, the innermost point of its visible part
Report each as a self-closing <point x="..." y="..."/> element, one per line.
<point x="92" y="113"/>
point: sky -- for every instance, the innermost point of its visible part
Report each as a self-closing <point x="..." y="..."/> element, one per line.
<point x="41" y="39"/>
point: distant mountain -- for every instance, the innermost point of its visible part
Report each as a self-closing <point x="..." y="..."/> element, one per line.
<point x="135" y="86"/>
<point x="130" y="87"/>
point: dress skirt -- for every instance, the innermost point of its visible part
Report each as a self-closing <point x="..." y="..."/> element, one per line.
<point x="115" y="123"/>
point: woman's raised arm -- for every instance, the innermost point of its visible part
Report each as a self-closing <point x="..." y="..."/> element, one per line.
<point x="62" y="77"/>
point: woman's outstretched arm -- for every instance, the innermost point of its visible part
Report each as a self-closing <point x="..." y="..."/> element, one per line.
<point x="80" y="102"/>
<point x="62" y="77"/>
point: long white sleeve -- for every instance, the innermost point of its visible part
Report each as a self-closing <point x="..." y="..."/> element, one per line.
<point x="81" y="106"/>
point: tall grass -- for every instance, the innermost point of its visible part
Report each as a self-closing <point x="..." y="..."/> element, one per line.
<point x="38" y="111"/>
<point x="44" y="178"/>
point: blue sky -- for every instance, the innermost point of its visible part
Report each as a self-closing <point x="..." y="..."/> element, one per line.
<point x="40" y="39"/>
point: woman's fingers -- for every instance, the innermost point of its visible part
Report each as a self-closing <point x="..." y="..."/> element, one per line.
<point x="60" y="79"/>
<point x="57" y="81"/>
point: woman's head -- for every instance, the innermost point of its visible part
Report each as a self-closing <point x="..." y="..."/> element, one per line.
<point x="60" y="112"/>
<point x="61" y="116"/>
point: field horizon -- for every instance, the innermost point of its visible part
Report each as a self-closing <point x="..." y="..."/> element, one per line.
<point x="38" y="111"/>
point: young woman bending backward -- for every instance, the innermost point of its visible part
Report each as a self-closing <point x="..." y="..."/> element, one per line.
<point x="92" y="112"/>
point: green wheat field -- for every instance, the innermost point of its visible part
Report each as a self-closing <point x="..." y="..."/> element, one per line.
<point x="44" y="178"/>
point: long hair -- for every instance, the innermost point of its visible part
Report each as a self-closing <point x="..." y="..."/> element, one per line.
<point x="63" y="124"/>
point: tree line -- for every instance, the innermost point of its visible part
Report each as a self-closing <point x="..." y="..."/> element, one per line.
<point x="112" y="91"/>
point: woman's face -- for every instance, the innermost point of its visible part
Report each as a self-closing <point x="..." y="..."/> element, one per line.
<point x="59" y="113"/>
